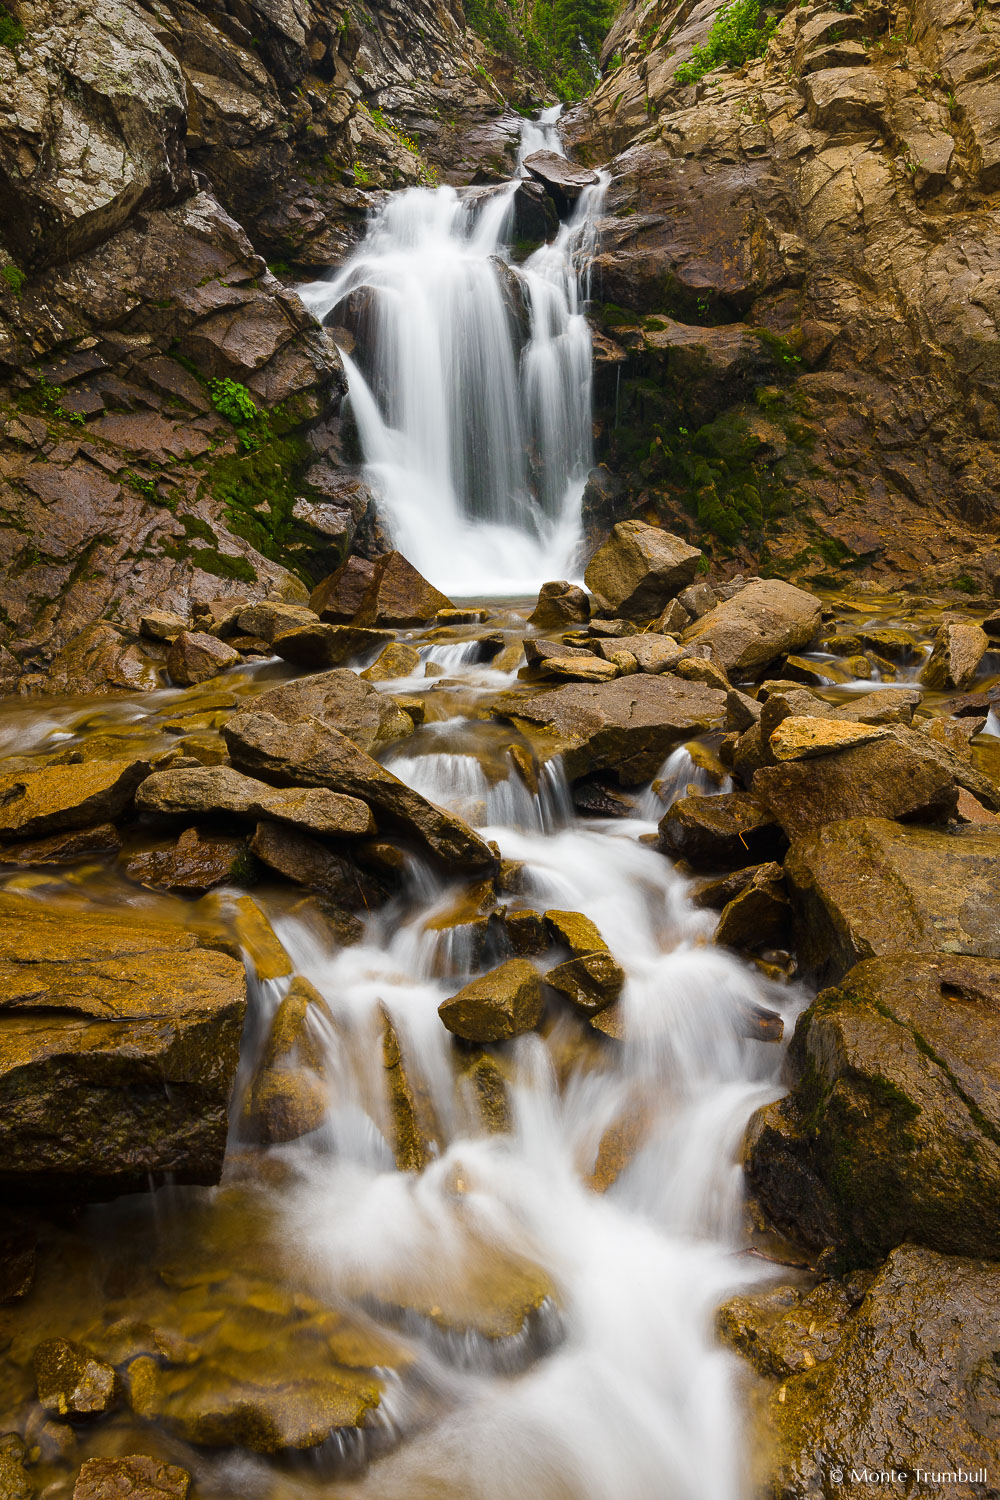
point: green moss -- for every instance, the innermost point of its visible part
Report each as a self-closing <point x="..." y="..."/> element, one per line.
<point x="13" y="275"/>
<point x="257" y="491"/>
<point x="11" y="30"/>
<point x="781" y="350"/>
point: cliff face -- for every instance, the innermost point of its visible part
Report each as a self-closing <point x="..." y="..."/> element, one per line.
<point x="802" y="262"/>
<point x="152" y="160"/>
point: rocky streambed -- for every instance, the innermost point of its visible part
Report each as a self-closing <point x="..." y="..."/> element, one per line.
<point x="394" y="1097"/>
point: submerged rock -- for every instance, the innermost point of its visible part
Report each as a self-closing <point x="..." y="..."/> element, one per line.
<point x="893" y="1131"/>
<point x="194" y="865"/>
<point x="638" y="569"/>
<point x="121" y="1040"/>
<point x="63" y="848"/>
<point x="504" y="1003"/>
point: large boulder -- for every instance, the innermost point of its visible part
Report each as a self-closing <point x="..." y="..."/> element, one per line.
<point x="639" y="569"/>
<point x="563" y="180"/>
<point x="721" y="833"/>
<point x="399" y="595"/>
<point x="892" y="1132"/>
<point x="195" y="657"/>
<point x="958" y="649"/>
<point x="869" y="887"/>
<point x="763" y="621"/>
<point x="885" y="779"/>
<point x="206" y="791"/>
<point x="121" y="1041"/>
<point x="560" y="604"/>
<point x="501" y="1004"/>
<point x="313" y="754"/>
<point x="627" y="726"/>
<point x="909" y="1377"/>
<point x="341" y="700"/>
<point x="56" y="798"/>
<point x="339" y="597"/>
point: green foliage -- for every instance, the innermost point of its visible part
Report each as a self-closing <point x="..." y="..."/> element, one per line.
<point x="234" y="402"/>
<point x="965" y="583"/>
<point x="735" y="36"/>
<point x="560" y="39"/>
<point x="11" y="30"/>
<point x="13" y="275"/>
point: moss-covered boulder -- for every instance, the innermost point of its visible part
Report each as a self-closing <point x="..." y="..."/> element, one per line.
<point x="496" y="1006"/>
<point x="892" y="1130"/>
<point x="121" y="1041"/>
<point x="869" y="887"/>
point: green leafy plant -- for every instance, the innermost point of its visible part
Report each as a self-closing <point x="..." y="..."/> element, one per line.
<point x="234" y="402"/>
<point x="14" y="277"/>
<point x="734" y="37"/>
<point x="11" y="30"/>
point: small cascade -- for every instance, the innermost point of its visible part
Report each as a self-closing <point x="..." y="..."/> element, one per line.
<point x="471" y="380"/>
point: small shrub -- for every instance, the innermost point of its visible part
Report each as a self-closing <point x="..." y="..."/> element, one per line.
<point x="14" y="277"/>
<point x="735" y="36"/>
<point x="234" y="402"/>
<point x="11" y="30"/>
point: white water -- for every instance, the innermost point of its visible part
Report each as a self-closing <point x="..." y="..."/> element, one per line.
<point x="471" y="382"/>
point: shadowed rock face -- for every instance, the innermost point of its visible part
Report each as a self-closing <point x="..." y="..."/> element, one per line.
<point x="824" y="195"/>
<point x="150" y="163"/>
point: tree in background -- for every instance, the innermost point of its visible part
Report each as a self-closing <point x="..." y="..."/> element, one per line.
<point x="561" y="39"/>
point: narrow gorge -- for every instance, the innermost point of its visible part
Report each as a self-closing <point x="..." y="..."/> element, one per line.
<point x="499" y="750"/>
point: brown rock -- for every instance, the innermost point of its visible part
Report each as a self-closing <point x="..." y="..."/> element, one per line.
<point x="759" y="916"/>
<point x="162" y="625"/>
<point x="310" y="754"/>
<point x="560" y="604"/>
<point x="341" y="700"/>
<point x="395" y="660"/>
<point x="266" y="619"/>
<point x="889" y="779"/>
<point x="194" y="865"/>
<point x="71" y="1381"/>
<point x="415" y="1131"/>
<point x="638" y="569"/>
<point x="562" y="179"/>
<point x="305" y="861"/>
<point x="63" y="848"/>
<point x="591" y="982"/>
<point x="763" y="621"/>
<point x="206" y="790"/>
<point x="133" y="1478"/>
<point x="56" y="798"/>
<point x="195" y="657"/>
<point x="724" y="832"/>
<point x="577" y="932"/>
<point x="321" y="646"/>
<point x="501" y="1004"/>
<point x="398" y="595"/>
<point x="338" y="598"/>
<point x="101" y="660"/>
<point x="804" y="738"/>
<point x="650" y="651"/>
<point x="954" y="661"/>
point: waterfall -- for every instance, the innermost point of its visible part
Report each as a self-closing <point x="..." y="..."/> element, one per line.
<point x="471" y="381"/>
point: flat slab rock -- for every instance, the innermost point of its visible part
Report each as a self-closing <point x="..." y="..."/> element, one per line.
<point x="205" y="790"/>
<point x="765" y="619"/>
<point x="628" y="726"/>
<point x="56" y="798"/>
<point x="121" y="1042"/>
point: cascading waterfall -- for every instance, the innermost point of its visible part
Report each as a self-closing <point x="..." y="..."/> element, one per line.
<point x="471" y="381"/>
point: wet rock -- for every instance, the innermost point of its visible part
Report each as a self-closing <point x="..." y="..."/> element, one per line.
<point x="501" y="1004"/>
<point x="716" y="893"/>
<point x="764" y="620"/>
<point x="71" y="1381"/>
<point x="724" y="832"/>
<point x="869" y="887"/>
<point x="258" y="940"/>
<point x="626" y="727"/>
<point x="579" y="934"/>
<point x="305" y="861"/>
<point x="638" y="569"/>
<point x="535" y="217"/>
<point x="162" y="625"/>
<point x="195" y="657"/>
<point x="56" y="798"/>
<point x="289" y="1097"/>
<point x="342" y="700"/>
<point x="526" y="932"/>
<point x="121" y="1040"/>
<point x="958" y="649"/>
<point x="322" y="645"/>
<point x="266" y="619"/>
<point x="759" y="915"/>
<point x="584" y="667"/>
<point x="310" y="754"/>
<point x="415" y="1132"/>
<point x="397" y="660"/>
<point x="490" y="1091"/>
<point x="63" y="848"/>
<point x="398" y="595"/>
<point x="560" y="604"/>
<point x="135" y="1477"/>
<point x="651" y="652"/>
<point x="18" y="1243"/>
<point x="892" y="1131"/>
<point x="561" y="178"/>
<point x="803" y="738"/>
<point x="339" y="597"/>
<point x="194" y="865"/>
<point x="784" y="1330"/>
<point x="888" y="779"/>
<point x="927" y="1395"/>
<point x="590" y="982"/>
<point x="100" y="659"/>
<point x="14" y="1480"/>
<point x="597" y="798"/>
<point x="205" y="791"/>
